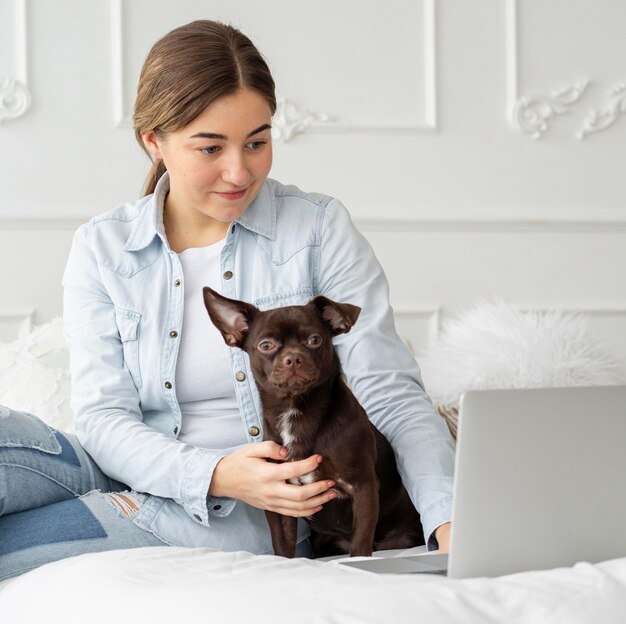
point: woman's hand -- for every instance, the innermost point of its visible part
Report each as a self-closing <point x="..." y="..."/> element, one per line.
<point x="442" y="535"/>
<point x="246" y="475"/>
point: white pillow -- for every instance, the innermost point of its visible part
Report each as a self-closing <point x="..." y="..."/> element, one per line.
<point x="494" y="345"/>
<point x="34" y="375"/>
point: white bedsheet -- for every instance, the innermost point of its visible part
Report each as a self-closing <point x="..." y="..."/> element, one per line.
<point x="176" y="585"/>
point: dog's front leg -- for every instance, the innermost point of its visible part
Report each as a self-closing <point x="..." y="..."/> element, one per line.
<point x="364" y="518"/>
<point x="283" y="530"/>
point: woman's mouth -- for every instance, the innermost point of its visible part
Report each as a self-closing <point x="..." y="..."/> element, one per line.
<point x="233" y="195"/>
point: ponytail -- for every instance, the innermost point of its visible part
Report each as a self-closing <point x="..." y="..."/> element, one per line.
<point x="156" y="171"/>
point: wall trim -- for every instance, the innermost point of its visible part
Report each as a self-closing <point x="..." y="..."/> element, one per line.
<point x="531" y="113"/>
<point x="428" y="313"/>
<point x="592" y="309"/>
<point x="15" y="96"/>
<point x="42" y="223"/>
<point x="17" y="316"/>
<point x="590" y="226"/>
<point x="315" y="122"/>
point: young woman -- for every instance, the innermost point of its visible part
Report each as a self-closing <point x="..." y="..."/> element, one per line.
<point x="168" y="443"/>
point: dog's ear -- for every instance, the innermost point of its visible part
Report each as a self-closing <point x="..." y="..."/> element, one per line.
<point x="339" y="316"/>
<point x="233" y="318"/>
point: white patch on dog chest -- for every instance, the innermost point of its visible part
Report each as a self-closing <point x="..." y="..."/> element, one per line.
<point x="287" y="435"/>
<point x="285" y="424"/>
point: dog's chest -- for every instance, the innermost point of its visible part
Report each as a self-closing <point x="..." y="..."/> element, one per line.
<point x="289" y="427"/>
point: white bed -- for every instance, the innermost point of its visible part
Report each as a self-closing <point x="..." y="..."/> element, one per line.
<point x="182" y="585"/>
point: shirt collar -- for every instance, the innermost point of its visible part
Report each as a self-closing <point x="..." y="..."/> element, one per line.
<point x="150" y="222"/>
<point x="259" y="217"/>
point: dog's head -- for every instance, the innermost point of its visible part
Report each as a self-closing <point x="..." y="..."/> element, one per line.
<point x="290" y="348"/>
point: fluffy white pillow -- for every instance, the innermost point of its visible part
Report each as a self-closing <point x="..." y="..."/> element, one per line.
<point x="494" y="345"/>
<point x="34" y="375"/>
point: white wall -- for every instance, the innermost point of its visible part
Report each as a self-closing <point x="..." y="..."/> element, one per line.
<point x="450" y="128"/>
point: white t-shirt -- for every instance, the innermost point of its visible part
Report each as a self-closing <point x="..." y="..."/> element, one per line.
<point x="205" y="387"/>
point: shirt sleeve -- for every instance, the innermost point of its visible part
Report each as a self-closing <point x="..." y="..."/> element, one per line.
<point x="382" y="373"/>
<point x="105" y="400"/>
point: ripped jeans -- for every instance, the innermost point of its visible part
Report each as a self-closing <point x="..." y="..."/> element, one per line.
<point x="55" y="501"/>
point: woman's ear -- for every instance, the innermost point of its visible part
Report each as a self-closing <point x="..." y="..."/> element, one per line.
<point x="152" y="144"/>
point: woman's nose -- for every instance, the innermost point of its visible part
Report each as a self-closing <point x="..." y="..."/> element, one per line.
<point x="236" y="171"/>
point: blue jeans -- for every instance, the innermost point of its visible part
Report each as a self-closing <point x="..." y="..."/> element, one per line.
<point x="55" y="502"/>
<point x="53" y="499"/>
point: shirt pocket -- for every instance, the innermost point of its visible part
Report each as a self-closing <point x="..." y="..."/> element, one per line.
<point x="128" y="325"/>
<point x="299" y="296"/>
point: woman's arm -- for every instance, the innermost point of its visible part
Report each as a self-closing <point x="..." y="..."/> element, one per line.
<point x="382" y="373"/>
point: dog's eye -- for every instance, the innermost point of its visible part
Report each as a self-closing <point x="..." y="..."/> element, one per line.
<point x="266" y="346"/>
<point x="314" y="341"/>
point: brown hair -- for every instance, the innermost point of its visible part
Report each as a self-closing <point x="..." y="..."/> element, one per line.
<point x="189" y="68"/>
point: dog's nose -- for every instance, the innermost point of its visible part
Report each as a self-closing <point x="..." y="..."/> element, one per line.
<point x="292" y="360"/>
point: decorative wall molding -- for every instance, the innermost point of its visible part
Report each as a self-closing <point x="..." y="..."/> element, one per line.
<point x="121" y="119"/>
<point x="589" y="226"/>
<point x="15" y="97"/>
<point x="289" y="120"/>
<point x="42" y="223"/>
<point x="531" y="113"/>
<point x="410" y="318"/>
<point x="388" y="224"/>
<point x="592" y="309"/>
<point x="292" y="120"/>
<point x="601" y="120"/>
<point x="15" y="322"/>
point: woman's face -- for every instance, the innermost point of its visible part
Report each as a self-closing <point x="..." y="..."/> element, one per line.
<point x="218" y="163"/>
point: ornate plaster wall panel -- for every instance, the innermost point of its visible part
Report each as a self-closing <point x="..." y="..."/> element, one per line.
<point x="15" y="96"/>
<point x="565" y="58"/>
<point x="326" y="60"/>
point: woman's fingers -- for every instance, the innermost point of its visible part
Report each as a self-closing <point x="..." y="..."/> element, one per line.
<point x="245" y="474"/>
<point x="303" y="500"/>
<point x="266" y="450"/>
<point x="295" y="469"/>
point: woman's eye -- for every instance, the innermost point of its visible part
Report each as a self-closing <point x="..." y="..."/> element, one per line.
<point x="256" y="145"/>
<point x="213" y="149"/>
<point x="266" y="345"/>
<point x="314" y="340"/>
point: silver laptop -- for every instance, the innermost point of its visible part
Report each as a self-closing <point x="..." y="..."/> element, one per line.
<point x="539" y="484"/>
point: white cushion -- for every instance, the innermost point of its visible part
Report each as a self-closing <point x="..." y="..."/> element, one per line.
<point x="494" y="345"/>
<point x="34" y="375"/>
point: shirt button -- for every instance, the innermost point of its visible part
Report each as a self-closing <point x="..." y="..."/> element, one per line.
<point x="228" y="274"/>
<point x="217" y="507"/>
<point x="173" y="334"/>
<point x="254" y="431"/>
<point x="240" y="376"/>
<point x="168" y="385"/>
<point x="177" y="282"/>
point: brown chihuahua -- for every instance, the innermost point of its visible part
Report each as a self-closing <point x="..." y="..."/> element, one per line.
<point x="308" y="408"/>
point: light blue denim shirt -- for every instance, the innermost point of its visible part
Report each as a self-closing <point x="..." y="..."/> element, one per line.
<point x="123" y="312"/>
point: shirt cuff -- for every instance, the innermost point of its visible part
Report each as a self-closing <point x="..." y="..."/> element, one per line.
<point x="433" y="517"/>
<point x="196" y="482"/>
